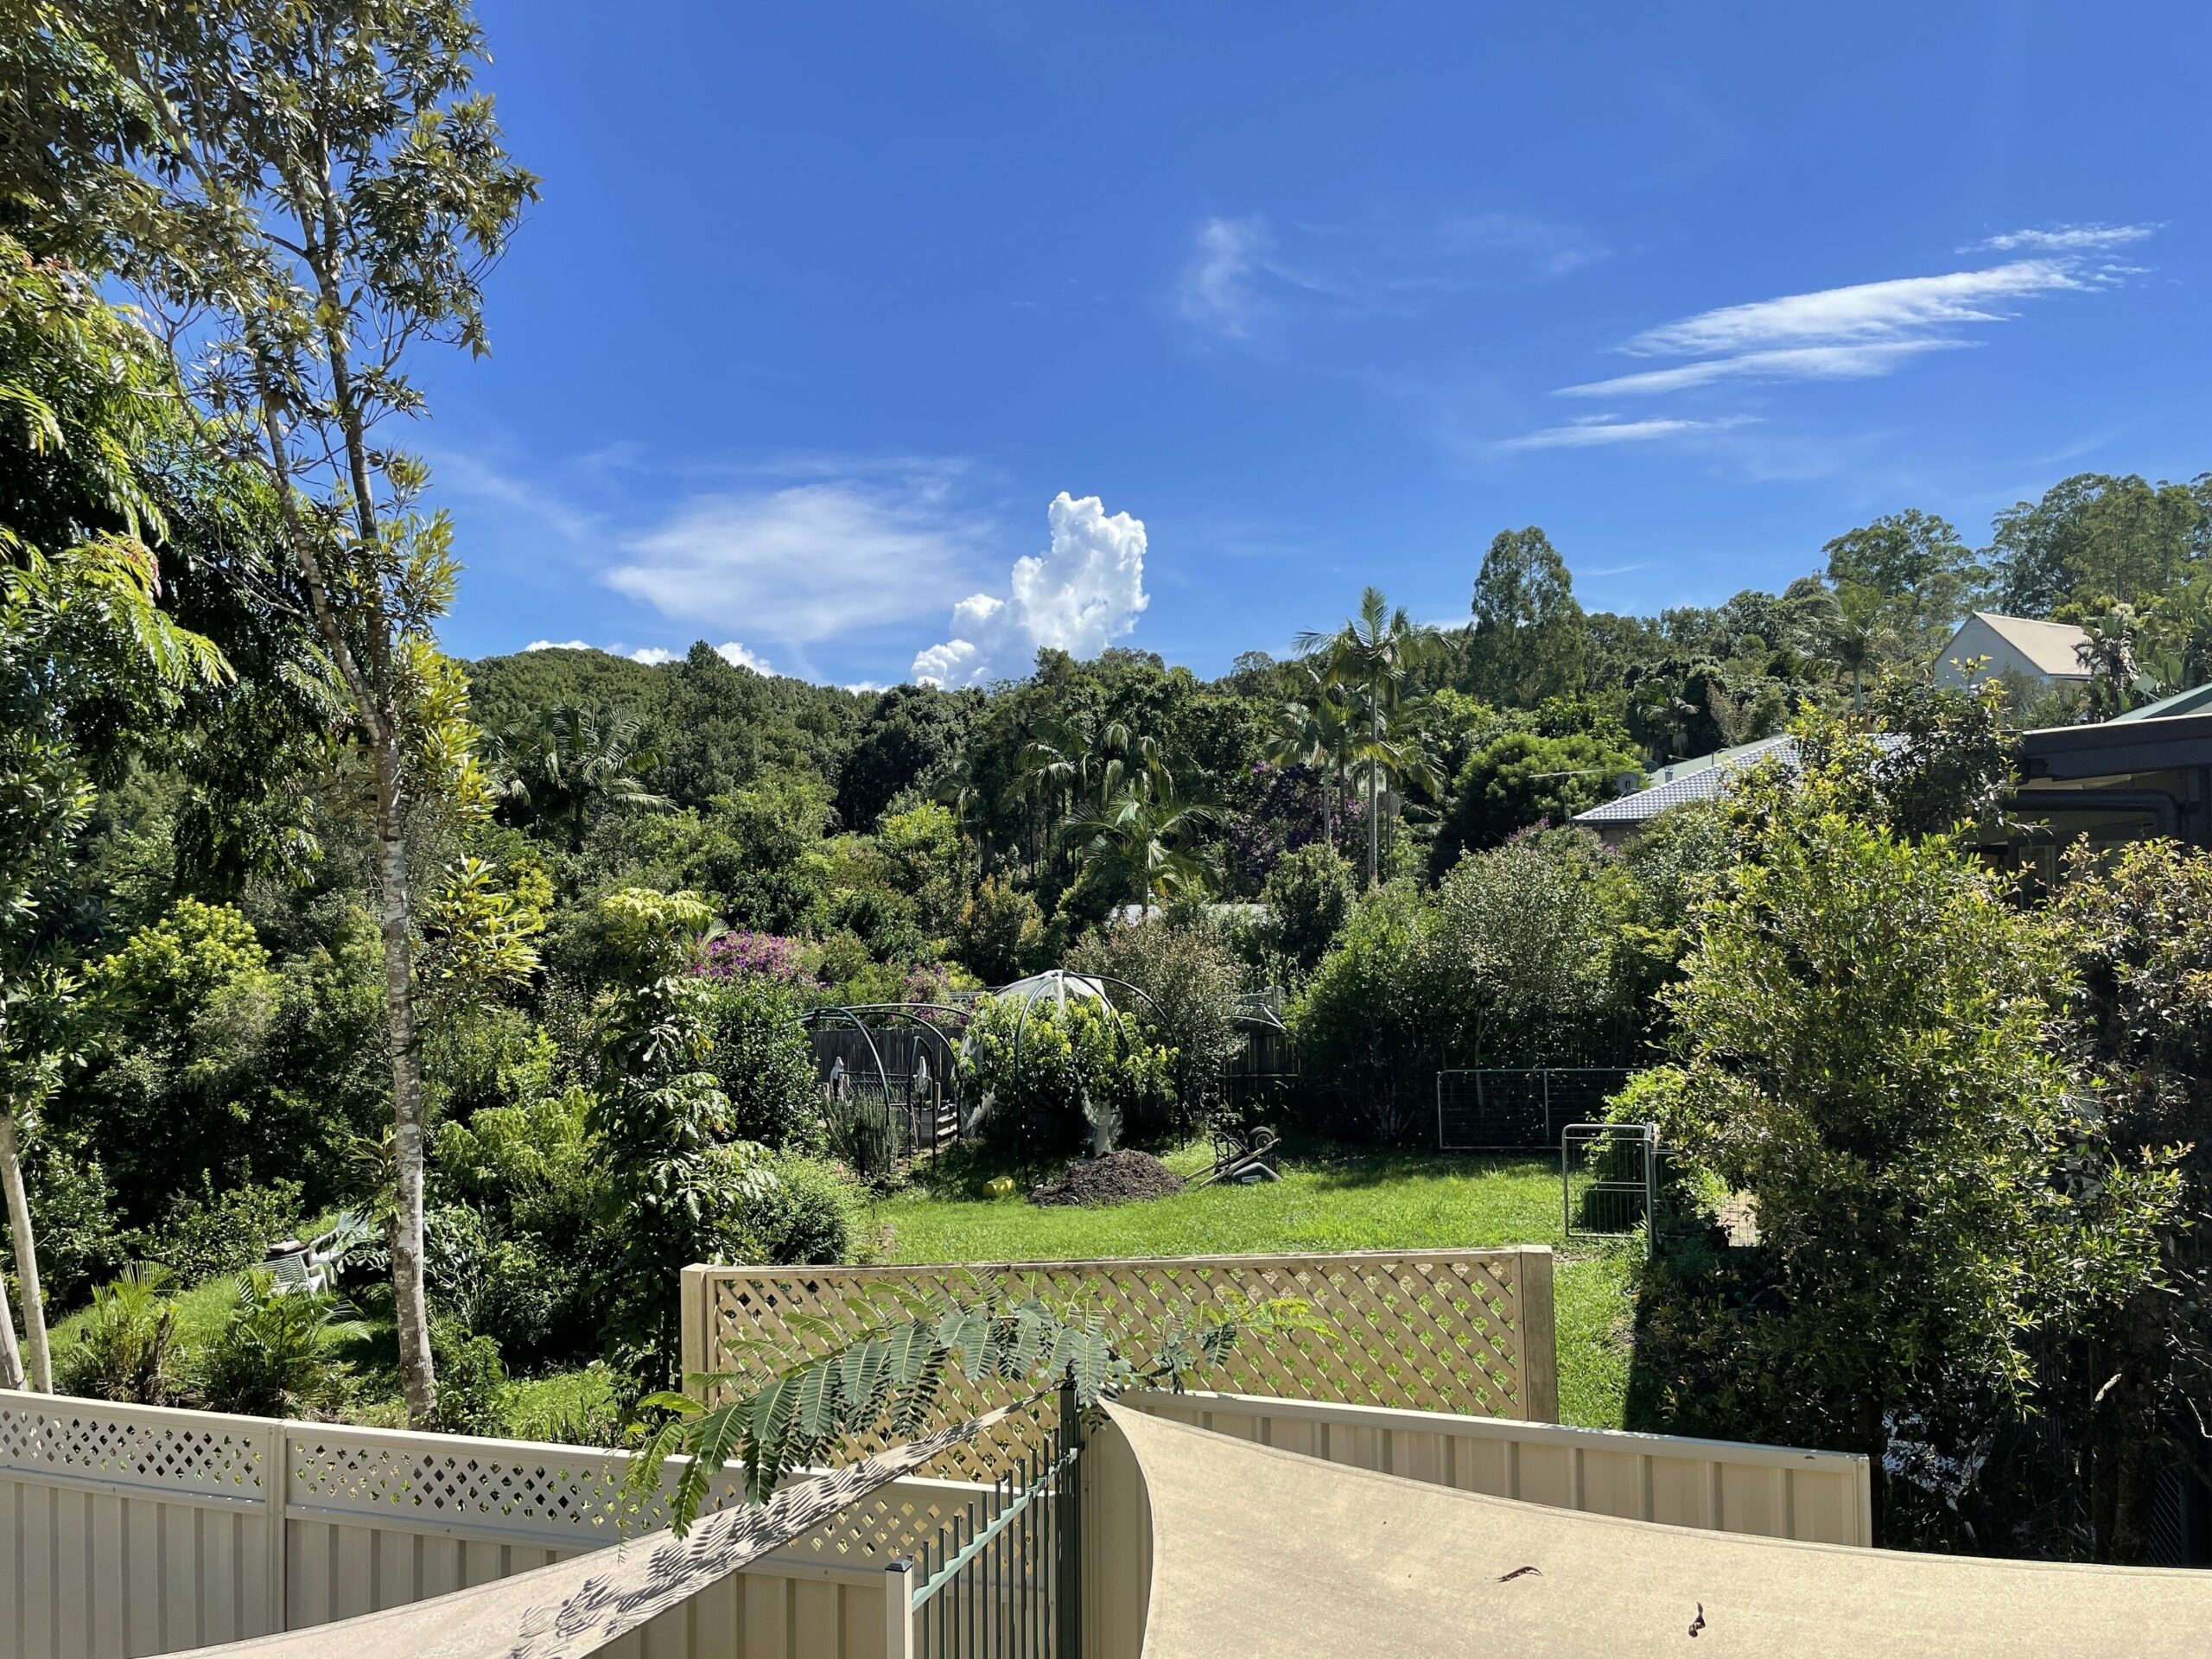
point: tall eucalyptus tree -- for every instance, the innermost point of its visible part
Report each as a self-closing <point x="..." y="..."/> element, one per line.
<point x="321" y="195"/>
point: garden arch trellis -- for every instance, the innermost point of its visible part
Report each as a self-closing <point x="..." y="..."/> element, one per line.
<point x="921" y="1125"/>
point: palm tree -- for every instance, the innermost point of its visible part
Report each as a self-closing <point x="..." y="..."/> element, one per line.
<point x="1067" y="766"/>
<point x="572" y="763"/>
<point x="1374" y="655"/>
<point x="1314" y="730"/>
<point x="2108" y="652"/>
<point x="1140" y="841"/>
<point x="1854" y="635"/>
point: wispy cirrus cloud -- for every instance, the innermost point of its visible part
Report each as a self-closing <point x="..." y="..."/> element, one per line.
<point x="2066" y="238"/>
<point x="1862" y="311"/>
<point x="1862" y="361"/>
<point x="1246" y="274"/>
<point x="1864" y="330"/>
<point x="1598" y="430"/>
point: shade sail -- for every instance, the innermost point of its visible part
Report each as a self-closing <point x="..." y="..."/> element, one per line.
<point x="1268" y="1554"/>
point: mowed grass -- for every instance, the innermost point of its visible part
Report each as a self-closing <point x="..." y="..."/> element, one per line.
<point x="1328" y="1199"/>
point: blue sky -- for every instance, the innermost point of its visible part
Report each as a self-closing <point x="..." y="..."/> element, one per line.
<point x="826" y="306"/>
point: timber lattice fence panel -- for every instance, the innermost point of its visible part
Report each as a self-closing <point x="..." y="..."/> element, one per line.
<point x="1455" y="1330"/>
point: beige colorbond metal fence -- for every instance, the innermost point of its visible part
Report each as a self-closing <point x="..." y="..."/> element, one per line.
<point x="1768" y="1491"/>
<point x="131" y="1530"/>
<point x="1455" y="1330"/>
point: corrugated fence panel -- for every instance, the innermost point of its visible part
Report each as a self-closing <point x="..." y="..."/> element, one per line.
<point x="130" y="1531"/>
<point x="1723" y="1486"/>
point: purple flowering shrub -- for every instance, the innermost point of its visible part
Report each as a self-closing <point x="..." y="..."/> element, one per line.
<point x="772" y="957"/>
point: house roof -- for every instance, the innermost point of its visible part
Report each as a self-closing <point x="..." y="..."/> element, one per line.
<point x="2048" y="646"/>
<point x="1698" y="778"/>
<point x="2197" y="700"/>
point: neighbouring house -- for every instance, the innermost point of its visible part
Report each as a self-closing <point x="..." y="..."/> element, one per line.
<point x="1698" y="778"/>
<point x="2000" y="647"/>
<point x="2147" y="772"/>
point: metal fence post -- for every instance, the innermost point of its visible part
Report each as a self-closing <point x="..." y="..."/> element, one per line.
<point x="1067" y="1589"/>
<point x="899" y="1608"/>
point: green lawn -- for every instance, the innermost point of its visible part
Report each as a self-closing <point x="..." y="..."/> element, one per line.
<point x="1327" y="1200"/>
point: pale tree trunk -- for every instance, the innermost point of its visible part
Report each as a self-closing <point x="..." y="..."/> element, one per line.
<point x="411" y="1302"/>
<point x="40" y="1367"/>
<point x="410" y="1307"/>
<point x="11" y="1358"/>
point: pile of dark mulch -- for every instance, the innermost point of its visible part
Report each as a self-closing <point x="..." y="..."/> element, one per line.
<point x="1123" y="1177"/>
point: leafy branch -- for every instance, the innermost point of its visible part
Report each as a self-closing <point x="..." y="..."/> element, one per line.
<point x="895" y="1376"/>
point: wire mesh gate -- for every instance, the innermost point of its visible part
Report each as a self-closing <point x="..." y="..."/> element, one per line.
<point x="1609" y="1180"/>
<point x="1518" y="1109"/>
<point x="1003" y="1579"/>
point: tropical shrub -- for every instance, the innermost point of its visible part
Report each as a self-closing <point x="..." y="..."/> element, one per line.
<point x="1056" y="1079"/>
<point x="1309" y="896"/>
<point x="659" y="1117"/>
<point x="1372" y="1024"/>
<point x="277" y="1352"/>
<point x="1520" y="778"/>
<point x="472" y="1381"/>
<point x="1524" y="945"/>
<point x="207" y="1233"/>
<point x="126" y="1348"/>
<point x="1001" y="935"/>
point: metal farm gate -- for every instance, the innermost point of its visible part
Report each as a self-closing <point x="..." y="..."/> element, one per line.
<point x="1519" y="1109"/>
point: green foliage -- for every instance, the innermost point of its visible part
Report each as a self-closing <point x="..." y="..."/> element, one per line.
<point x="275" y="1355"/>
<point x="675" y="1182"/>
<point x="568" y="765"/>
<point x="532" y="1168"/>
<point x="1528" y="629"/>
<point x="895" y="1376"/>
<point x="1001" y="935"/>
<point x="471" y="1382"/>
<point x="2140" y="932"/>
<point x="1860" y="1046"/>
<point x="126" y="1348"/>
<point x="1519" y="779"/>
<point x="1918" y="572"/>
<point x="761" y="1057"/>
<point x="1308" y="895"/>
<point x="211" y="1233"/>
<point x="802" y="1213"/>
<point x="1524" y="944"/>
<point x="1192" y="983"/>
<point x="1368" y="1025"/>
<point x="1057" y="1078"/>
<point x="2093" y="536"/>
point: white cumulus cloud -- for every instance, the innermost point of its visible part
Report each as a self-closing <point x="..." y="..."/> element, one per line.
<point x="559" y="645"/>
<point x="651" y="656"/>
<point x="738" y="656"/>
<point x="1082" y="592"/>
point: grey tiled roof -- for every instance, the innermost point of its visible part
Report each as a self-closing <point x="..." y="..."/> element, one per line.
<point x="1699" y="780"/>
